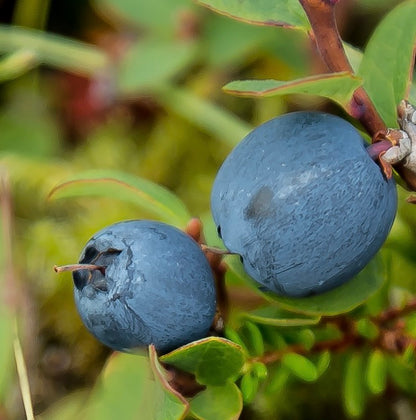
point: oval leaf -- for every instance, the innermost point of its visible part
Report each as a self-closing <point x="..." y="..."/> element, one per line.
<point x="17" y="63"/>
<point x="306" y="337"/>
<point x="54" y="50"/>
<point x="278" y="379"/>
<point x="255" y="338"/>
<point x="288" y="13"/>
<point x="336" y="86"/>
<point x="201" y="356"/>
<point x="366" y="328"/>
<point x="323" y="362"/>
<point x="151" y="63"/>
<point x="159" y="15"/>
<point x="402" y="375"/>
<point x="386" y="67"/>
<point x="272" y="315"/>
<point x="376" y="373"/>
<point x="340" y="300"/>
<point x="233" y="335"/>
<point x="218" y="402"/>
<point x="66" y="408"/>
<point x="124" y="390"/>
<point x="249" y="386"/>
<point x="170" y="405"/>
<point x="260" y="370"/>
<point x="119" y="185"/>
<point x="408" y="357"/>
<point x="354" y="390"/>
<point x="300" y="366"/>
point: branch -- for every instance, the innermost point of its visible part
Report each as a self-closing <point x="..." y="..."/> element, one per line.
<point x="392" y="314"/>
<point x="321" y="15"/>
<point x="336" y="344"/>
<point x="391" y="340"/>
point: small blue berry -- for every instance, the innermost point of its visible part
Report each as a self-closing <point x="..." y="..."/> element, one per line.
<point x="153" y="285"/>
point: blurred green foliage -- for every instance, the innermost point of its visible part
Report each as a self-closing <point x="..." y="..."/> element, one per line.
<point x="136" y="96"/>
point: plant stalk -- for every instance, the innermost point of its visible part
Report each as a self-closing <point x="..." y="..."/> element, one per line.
<point x="321" y="15"/>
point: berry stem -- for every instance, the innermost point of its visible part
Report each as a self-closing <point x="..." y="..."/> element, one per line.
<point x="321" y="15"/>
<point x="76" y="267"/>
<point x="378" y="147"/>
<point x="215" y="250"/>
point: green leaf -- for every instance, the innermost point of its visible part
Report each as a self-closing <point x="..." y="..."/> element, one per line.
<point x="235" y="265"/>
<point x="341" y="299"/>
<point x="278" y="379"/>
<point x="323" y="362"/>
<point x="305" y="336"/>
<point x="228" y="42"/>
<point x="411" y="325"/>
<point x="200" y="356"/>
<point x="386" y="66"/>
<point x="66" y="408"/>
<point x="249" y="386"/>
<point x="354" y="389"/>
<point x="54" y="50"/>
<point x="150" y="63"/>
<point x="408" y="357"/>
<point x="233" y="335"/>
<point x="376" y="373"/>
<point x="402" y="375"/>
<point x="159" y="15"/>
<point x="274" y="337"/>
<point x="250" y="381"/>
<point x="16" y="64"/>
<point x="336" y="86"/>
<point x="209" y="117"/>
<point x="255" y="338"/>
<point x="367" y="328"/>
<point x="126" y="187"/>
<point x="218" y="402"/>
<point x="354" y="56"/>
<point x="170" y="404"/>
<point x="124" y="390"/>
<point x="287" y="14"/>
<point x="274" y="316"/>
<point x="300" y="366"/>
<point x="260" y="370"/>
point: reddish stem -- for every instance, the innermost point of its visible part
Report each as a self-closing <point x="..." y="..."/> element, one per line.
<point x="76" y="267"/>
<point x="391" y="340"/>
<point x="393" y="314"/>
<point x="321" y="15"/>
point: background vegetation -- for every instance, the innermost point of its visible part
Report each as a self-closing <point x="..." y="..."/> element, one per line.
<point x="133" y="88"/>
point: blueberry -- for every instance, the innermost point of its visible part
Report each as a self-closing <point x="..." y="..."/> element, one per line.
<point x="154" y="285"/>
<point x="303" y="203"/>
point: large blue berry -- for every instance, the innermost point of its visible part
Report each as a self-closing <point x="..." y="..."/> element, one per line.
<point x="303" y="203"/>
<point x="153" y="285"/>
